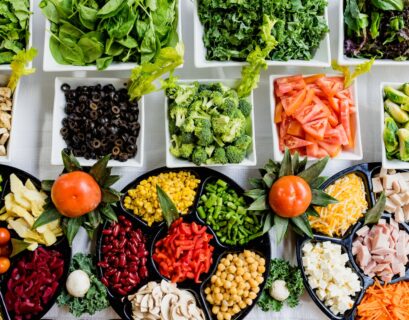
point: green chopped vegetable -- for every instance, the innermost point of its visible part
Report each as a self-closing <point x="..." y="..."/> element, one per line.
<point x="18" y="66"/>
<point x="282" y="270"/>
<point x="95" y="299"/>
<point x="143" y="76"/>
<point x="14" y="25"/>
<point x="350" y="77"/>
<point x="101" y="32"/>
<point x="226" y="212"/>
<point x="208" y="123"/>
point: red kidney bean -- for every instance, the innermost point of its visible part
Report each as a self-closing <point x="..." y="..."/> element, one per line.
<point x="124" y="256"/>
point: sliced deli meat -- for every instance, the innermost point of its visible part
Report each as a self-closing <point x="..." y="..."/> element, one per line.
<point x="382" y="250"/>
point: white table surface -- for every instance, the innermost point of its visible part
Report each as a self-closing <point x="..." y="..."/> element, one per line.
<point x="33" y="134"/>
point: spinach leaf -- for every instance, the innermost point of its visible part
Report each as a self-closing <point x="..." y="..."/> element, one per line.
<point x="91" y="49"/>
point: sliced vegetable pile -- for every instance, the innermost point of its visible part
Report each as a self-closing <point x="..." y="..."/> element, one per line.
<point x="100" y="120"/>
<point x="14" y="26"/>
<point x="179" y="186"/>
<point x="315" y="115"/>
<point x="6" y="104"/>
<point x="100" y="32"/>
<point x="226" y="212"/>
<point x="396" y="130"/>
<point x="22" y="208"/>
<point x="382" y="250"/>
<point x="334" y="282"/>
<point x="376" y="29"/>
<point x="164" y="301"/>
<point x="387" y="302"/>
<point x="337" y="218"/>
<point x="184" y="253"/>
<point x="284" y="285"/>
<point x="396" y="188"/>
<point x="33" y="282"/>
<point x="235" y="284"/>
<point x="208" y="123"/>
<point x="84" y="293"/>
<point x="123" y="256"/>
<point x="299" y="27"/>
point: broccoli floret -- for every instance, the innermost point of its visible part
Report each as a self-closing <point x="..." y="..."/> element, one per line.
<point x="228" y="107"/>
<point x="219" y="141"/>
<point x="186" y="150"/>
<point x="219" y="87"/>
<point x="235" y="154"/>
<point x="187" y="137"/>
<point x="243" y="142"/>
<point x="232" y="94"/>
<point x="220" y="124"/>
<point x="175" y="146"/>
<point x="217" y="98"/>
<point x="235" y="129"/>
<point x="199" y="115"/>
<point x="204" y="136"/>
<point x="205" y="93"/>
<point x="202" y="87"/>
<point x="172" y="127"/>
<point x="178" y="113"/>
<point x="245" y="107"/>
<point x="185" y="94"/>
<point x="188" y="126"/>
<point x="219" y="157"/>
<point x="199" y="156"/>
<point x="209" y="150"/>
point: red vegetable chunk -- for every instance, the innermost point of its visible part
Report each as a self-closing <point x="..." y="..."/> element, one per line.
<point x="33" y="283"/>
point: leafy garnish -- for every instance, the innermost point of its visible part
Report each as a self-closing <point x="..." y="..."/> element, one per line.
<point x="18" y="246"/>
<point x="374" y="214"/>
<point x="143" y="76"/>
<point x="281" y="269"/>
<point x="18" y="66"/>
<point x="250" y="74"/>
<point x="350" y="77"/>
<point x="169" y="211"/>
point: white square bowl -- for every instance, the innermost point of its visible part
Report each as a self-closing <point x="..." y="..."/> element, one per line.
<point x="30" y="38"/>
<point x="58" y="143"/>
<point x="251" y="158"/>
<point x="322" y="56"/>
<point x="346" y="61"/>
<point x="386" y="163"/>
<point x="355" y="154"/>
<point x="4" y="78"/>
<point x="50" y="65"/>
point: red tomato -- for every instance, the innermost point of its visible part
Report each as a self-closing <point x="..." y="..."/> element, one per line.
<point x="345" y="120"/>
<point x="292" y="142"/>
<point x="310" y="113"/>
<point x="4" y="236"/>
<point x="316" y="128"/>
<point x="291" y="104"/>
<point x="75" y="194"/>
<point x="278" y="112"/>
<point x="290" y="196"/>
<point x="4" y="264"/>
<point x="332" y="149"/>
<point x="295" y="129"/>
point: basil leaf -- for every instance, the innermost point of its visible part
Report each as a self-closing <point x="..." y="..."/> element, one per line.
<point x="303" y="224"/>
<point x="374" y="214"/>
<point x="314" y="170"/>
<point x="170" y="213"/>
<point x="280" y="228"/>
<point x="317" y="182"/>
<point x="322" y="199"/>
<point x="259" y="205"/>
<point x="49" y="215"/>
<point x="18" y="246"/>
<point x="108" y="212"/>
<point x="72" y="225"/>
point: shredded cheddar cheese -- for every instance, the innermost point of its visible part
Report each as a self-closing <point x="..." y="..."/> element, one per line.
<point x="335" y="219"/>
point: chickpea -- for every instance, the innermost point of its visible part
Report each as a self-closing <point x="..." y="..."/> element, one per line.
<point x="249" y="301"/>
<point x="227" y="284"/>
<point x="252" y="295"/>
<point x="246" y="276"/>
<point x="242" y="304"/>
<point x="215" y="309"/>
<point x="261" y="269"/>
<point x="227" y="316"/>
<point x="220" y="316"/>
<point x="240" y="271"/>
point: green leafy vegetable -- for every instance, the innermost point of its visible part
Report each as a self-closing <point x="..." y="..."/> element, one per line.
<point x="101" y="32"/>
<point x="374" y="214"/>
<point x="359" y="70"/>
<point x="96" y="298"/>
<point x="18" y="66"/>
<point x="282" y="270"/>
<point x="14" y="25"/>
<point x="250" y="74"/>
<point x="231" y="28"/>
<point x="143" y="76"/>
<point x="170" y="213"/>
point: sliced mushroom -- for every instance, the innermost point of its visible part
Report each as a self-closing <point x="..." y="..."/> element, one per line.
<point x="167" y="287"/>
<point x="144" y="303"/>
<point x="4" y="138"/>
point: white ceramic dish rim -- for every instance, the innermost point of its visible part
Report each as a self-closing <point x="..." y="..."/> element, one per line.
<point x="10" y="143"/>
<point x="50" y="65"/>
<point x="200" y="50"/>
<point x="344" y="60"/>
<point x="357" y="154"/>
<point x="137" y="161"/>
<point x="30" y="38"/>
<point x="173" y="162"/>
<point x="395" y="163"/>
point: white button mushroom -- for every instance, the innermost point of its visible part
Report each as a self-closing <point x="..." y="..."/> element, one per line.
<point x="279" y="290"/>
<point x="78" y="283"/>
